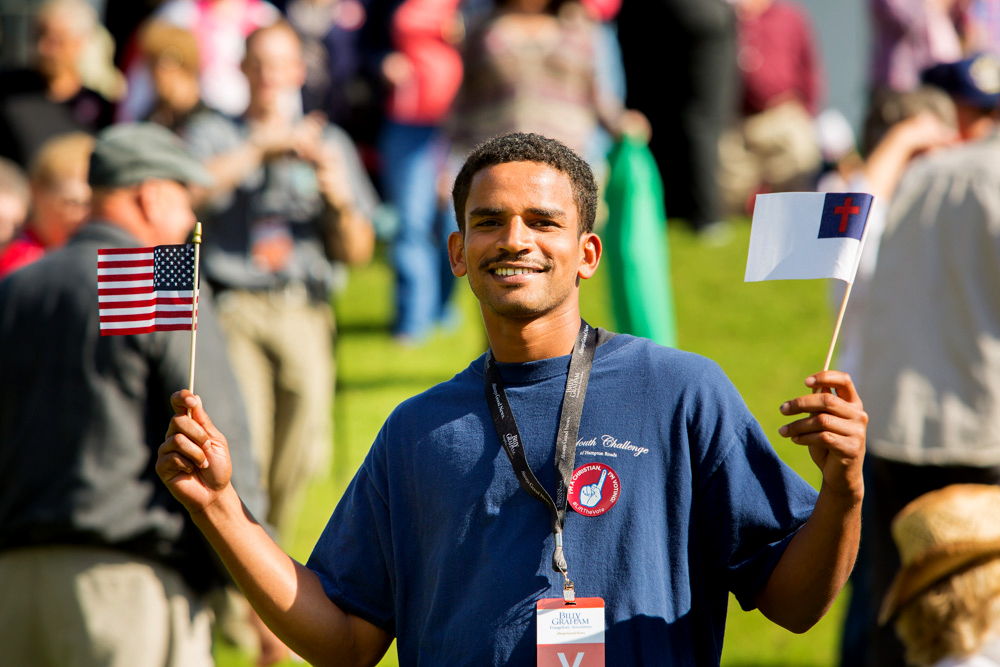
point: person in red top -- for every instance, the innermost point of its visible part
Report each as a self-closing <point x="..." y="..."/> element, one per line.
<point x="423" y="72"/>
<point x="15" y="197"/>
<point x="773" y="148"/>
<point x="60" y="199"/>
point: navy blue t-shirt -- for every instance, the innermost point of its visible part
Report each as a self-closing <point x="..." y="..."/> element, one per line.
<point x="435" y="542"/>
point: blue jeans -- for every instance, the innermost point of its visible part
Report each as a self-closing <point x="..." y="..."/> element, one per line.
<point x="412" y="157"/>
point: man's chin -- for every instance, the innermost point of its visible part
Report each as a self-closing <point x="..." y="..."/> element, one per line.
<point x="516" y="309"/>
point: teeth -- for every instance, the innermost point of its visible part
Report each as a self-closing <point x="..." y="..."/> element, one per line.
<point x="512" y="272"/>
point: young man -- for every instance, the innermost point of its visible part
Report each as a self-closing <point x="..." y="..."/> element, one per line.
<point x="437" y="543"/>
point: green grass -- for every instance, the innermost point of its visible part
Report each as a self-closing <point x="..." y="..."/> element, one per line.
<point x="767" y="337"/>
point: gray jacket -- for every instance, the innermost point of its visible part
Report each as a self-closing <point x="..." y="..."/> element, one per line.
<point x="931" y="340"/>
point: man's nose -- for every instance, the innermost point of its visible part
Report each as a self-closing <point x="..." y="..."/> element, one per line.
<point x="516" y="236"/>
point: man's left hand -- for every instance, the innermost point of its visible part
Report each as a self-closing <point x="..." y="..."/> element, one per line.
<point x="834" y="430"/>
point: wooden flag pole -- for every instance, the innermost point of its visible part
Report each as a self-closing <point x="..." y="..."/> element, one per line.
<point x="836" y="328"/>
<point x="847" y="295"/>
<point x="194" y="306"/>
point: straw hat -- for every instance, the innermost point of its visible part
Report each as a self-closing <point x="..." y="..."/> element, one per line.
<point x="940" y="533"/>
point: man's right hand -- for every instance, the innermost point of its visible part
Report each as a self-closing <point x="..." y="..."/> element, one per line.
<point x="194" y="460"/>
<point x="288" y="597"/>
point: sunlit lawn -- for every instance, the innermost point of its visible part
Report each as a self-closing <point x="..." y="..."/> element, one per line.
<point x="767" y="336"/>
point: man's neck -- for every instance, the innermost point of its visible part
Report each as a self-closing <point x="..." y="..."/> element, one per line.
<point x="518" y="341"/>
<point x="63" y="86"/>
<point x="264" y="114"/>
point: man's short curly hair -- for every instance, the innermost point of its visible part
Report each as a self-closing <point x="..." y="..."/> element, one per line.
<point x="525" y="147"/>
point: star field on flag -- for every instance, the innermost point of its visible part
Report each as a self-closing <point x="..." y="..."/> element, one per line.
<point x="145" y="289"/>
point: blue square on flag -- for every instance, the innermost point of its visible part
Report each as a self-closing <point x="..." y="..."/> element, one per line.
<point x="173" y="267"/>
<point x="844" y="215"/>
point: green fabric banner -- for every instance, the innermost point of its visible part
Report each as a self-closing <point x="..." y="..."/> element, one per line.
<point x="635" y="245"/>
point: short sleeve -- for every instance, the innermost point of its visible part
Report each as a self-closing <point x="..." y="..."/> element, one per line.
<point x="365" y="197"/>
<point x="354" y="556"/>
<point x="209" y="133"/>
<point x="752" y="504"/>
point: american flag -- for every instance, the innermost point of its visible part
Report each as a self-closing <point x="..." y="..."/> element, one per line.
<point x="145" y="289"/>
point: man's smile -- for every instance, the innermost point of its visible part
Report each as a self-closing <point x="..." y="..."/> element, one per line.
<point x="514" y="271"/>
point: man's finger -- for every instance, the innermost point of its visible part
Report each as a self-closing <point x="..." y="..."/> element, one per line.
<point x="173" y="464"/>
<point x="189" y="427"/>
<point x="836" y="380"/>
<point x="185" y="447"/>
<point x="181" y="401"/>
<point x="170" y="462"/>
<point x="186" y="403"/>
<point x="816" y="403"/>
<point x="843" y="447"/>
<point x="821" y="423"/>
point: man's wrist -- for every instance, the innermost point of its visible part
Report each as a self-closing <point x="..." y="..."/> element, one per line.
<point x="226" y="506"/>
<point x="846" y="499"/>
<point x="338" y="203"/>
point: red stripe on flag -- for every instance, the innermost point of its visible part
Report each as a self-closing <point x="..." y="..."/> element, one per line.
<point x="174" y="327"/>
<point x="146" y="329"/>
<point x="138" y="274"/>
<point x="125" y="264"/>
<point x="122" y="251"/>
<point x="113" y="291"/>
<point x="126" y="332"/>
<point x="111" y="305"/>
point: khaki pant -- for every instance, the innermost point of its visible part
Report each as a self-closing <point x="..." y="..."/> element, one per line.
<point x="281" y="348"/>
<point x="775" y="149"/>
<point x="66" y="606"/>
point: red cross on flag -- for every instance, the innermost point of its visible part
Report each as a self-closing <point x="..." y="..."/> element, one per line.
<point x="804" y="235"/>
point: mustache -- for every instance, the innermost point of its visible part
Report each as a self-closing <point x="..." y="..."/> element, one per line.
<point x="504" y="257"/>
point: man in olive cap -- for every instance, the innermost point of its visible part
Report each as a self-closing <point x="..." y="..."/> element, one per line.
<point x="100" y="565"/>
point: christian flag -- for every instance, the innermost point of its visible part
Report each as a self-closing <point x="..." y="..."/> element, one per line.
<point x="145" y="289"/>
<point x="803" y="235"/>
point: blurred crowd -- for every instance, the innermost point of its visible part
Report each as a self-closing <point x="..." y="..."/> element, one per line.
<point x="330" y="125"/>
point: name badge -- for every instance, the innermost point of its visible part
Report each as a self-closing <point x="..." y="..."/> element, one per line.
<point x="570" y="635"/>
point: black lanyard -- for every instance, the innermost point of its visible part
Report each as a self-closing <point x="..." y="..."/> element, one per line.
<point x="569" y="426"/>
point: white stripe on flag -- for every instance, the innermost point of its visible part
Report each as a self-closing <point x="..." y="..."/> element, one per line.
<point x="113" y="298"/>
<point x="131" y="257"/>
<point x="143" y="310"/>
<point x="131" y="270"/>
<point x="167" y="310"/>
<point x="174" y="294"/>
<point x="117" y="284"/>
<point x="145" y="322"/>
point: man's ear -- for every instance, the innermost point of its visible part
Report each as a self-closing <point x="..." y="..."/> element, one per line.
<point x="149" y="198"/>
<point x="456" y="253"/>
<point x="590" y="255"/>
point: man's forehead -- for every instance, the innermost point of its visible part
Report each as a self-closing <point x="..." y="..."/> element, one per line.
<point x="274" y="40"/>
<point x="518" y="182"/>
